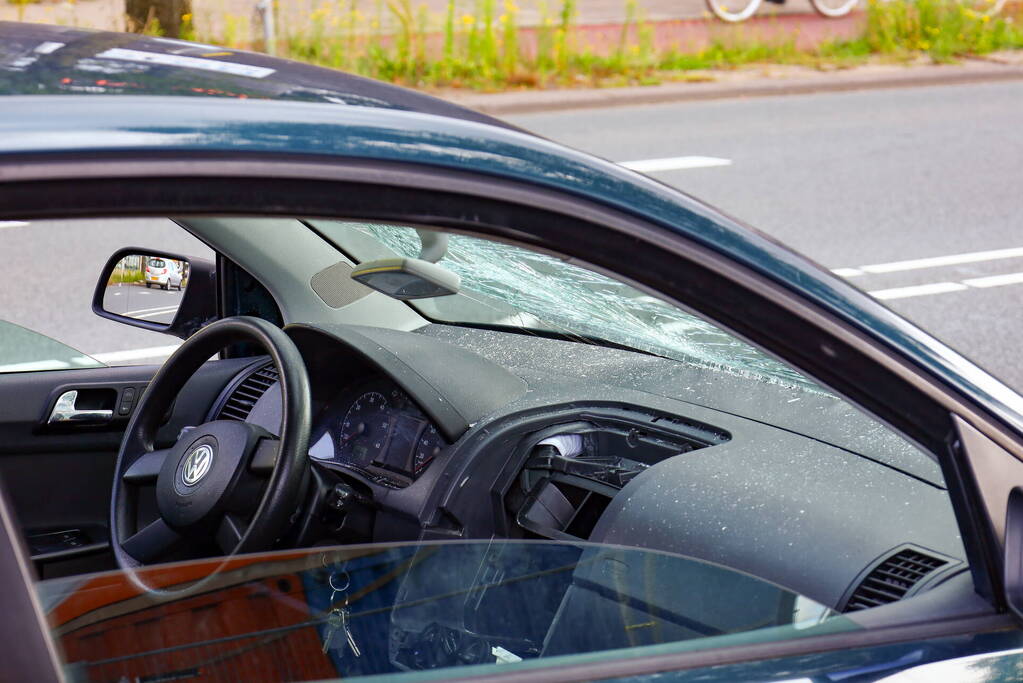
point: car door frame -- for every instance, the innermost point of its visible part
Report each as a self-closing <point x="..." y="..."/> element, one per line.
<point x="846" y="354"/>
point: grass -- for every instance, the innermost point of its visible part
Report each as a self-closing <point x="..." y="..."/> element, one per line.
<point x="488" y="48"/>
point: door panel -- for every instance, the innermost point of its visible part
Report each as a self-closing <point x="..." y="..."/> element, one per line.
<point x="58" y="476"/>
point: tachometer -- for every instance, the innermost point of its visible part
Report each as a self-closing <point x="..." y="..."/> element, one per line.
<point x="429" y="447"/>
<point x="365" y="429"/>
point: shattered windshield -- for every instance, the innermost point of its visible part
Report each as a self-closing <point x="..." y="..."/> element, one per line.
<point x="511" y="287"/>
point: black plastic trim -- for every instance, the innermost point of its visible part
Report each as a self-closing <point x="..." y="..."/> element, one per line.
<point x="938" y="574"/>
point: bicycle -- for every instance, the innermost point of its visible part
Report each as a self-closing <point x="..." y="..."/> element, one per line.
<point x="832" y="9"/>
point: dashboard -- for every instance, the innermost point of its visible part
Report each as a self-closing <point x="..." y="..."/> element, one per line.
<point x="457" y="433"/>
<point x="375" y="428"/>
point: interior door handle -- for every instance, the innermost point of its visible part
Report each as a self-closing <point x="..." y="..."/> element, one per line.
<point x="65" y="411"/>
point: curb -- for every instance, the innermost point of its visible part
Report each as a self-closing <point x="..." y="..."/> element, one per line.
<point x="525" y="102"/>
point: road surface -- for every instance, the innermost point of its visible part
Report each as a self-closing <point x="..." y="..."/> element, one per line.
<point x="861" y="182"/>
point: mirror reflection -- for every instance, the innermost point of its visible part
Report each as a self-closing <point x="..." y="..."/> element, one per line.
<point x="146" y="287"/>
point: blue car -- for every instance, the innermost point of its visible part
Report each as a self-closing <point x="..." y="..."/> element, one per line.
<point x="441" y="399"/>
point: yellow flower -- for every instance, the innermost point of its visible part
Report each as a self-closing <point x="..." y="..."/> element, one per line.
<point x="510" y="7"/>
<point x="503" y="19"/>
<point x="186" y="18"/>
<point x="468" y="19"/>
<point x="924" y="45"/>
<point x="986" y="18"/>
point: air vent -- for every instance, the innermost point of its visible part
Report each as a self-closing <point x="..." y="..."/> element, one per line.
<point x="239" y="404"/>
<point x="893" y="579"/>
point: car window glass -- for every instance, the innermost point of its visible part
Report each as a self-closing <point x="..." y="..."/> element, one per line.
<point x="47" y="288"/>
<point x="416" y="608"/>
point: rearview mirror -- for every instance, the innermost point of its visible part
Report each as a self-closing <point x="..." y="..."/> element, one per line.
<point x="154" y="290"/>
<point x="412" y="278"/>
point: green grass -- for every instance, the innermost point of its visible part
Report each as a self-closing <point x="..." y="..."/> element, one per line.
<point x="487" y="49"/>
<point x="942" y="30"/>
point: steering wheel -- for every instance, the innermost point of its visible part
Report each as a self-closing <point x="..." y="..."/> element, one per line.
<point x="208" y="484"/>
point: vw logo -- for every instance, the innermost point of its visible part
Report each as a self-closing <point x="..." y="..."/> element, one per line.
<point x="197" y="464"/>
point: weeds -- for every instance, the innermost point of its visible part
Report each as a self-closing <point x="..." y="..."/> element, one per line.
<point x="489" y="48"/>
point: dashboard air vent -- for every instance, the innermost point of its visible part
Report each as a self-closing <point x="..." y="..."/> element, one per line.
<point x="239" y="404"/>
<point x="892" y="579"/>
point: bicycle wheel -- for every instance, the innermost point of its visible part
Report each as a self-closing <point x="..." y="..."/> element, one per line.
<point x="733" y="10"/>
<point x="989" y="7"/>
<point x="833" y="8"/>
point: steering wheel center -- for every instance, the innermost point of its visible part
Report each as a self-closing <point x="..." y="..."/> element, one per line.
<point x="206" y="474"/>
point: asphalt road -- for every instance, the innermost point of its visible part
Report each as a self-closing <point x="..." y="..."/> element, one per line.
<point x="859" y="179"/>
<point x="142" y="303"/>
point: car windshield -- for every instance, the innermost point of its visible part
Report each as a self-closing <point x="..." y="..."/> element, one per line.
<point x="156" y="263"/>
<point x="382" y="609"/>
<point x="511" y="287"/>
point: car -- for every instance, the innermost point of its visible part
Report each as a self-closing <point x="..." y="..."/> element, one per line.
<point x="163" y="272"/>
<point x="447" y="400"/>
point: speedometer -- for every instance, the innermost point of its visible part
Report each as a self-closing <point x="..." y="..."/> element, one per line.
<point x="365" y="429"/>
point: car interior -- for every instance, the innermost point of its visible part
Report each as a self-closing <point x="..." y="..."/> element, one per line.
<point x="509" y="409"/>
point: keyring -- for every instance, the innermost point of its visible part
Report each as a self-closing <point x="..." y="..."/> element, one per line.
<point x="340" y="589"/>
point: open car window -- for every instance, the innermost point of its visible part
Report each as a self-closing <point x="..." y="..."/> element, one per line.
<point x="552" y="468"/>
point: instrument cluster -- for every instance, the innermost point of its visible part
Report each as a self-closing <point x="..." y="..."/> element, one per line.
<point x="379" y="431"/>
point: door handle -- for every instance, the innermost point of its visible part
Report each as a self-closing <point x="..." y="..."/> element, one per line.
<point x="65" y="411"/>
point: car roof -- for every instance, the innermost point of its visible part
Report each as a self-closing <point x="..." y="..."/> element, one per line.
<point x="37" y="59"/>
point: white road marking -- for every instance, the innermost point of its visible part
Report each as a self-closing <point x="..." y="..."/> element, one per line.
<point x="12" y="224"/>
<point x="674" y="163"/>
<point x="995" y="280"/>
<point x="917" y="290"/>
<point x="142" y="312"/>
<point x="933" y="262"/>
<point x="157" y="313"/>
<point x="847" y="272"/>
<point x="135" y="354"/>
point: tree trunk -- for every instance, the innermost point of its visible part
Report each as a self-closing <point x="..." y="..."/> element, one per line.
<point x="148" y="14"/>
